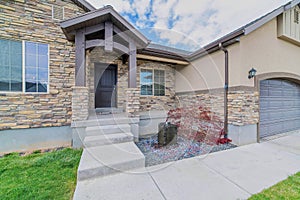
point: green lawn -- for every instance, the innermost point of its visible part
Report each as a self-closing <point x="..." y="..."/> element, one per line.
<point x="40" y="175"/>
<point x="288" y="189"/>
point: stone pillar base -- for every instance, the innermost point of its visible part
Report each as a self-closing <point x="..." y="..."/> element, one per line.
<point x="132" y="102"/>
<point x="80" y="103"/>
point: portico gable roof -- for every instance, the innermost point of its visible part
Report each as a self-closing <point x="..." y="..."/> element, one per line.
<point x="99" y="16"/>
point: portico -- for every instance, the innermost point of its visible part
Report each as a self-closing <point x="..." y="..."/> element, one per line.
<point x="105" y="29"/>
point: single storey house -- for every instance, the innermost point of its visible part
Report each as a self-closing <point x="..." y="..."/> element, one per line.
<point x="62" y="62"/>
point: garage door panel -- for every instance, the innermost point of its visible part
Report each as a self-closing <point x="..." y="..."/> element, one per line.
<point x="279" y="107"/>
<point x="274" y="93"/>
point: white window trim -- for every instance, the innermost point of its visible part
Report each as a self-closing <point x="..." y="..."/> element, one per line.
<point x="23" y="73"/>
<point x="152" y="69"/>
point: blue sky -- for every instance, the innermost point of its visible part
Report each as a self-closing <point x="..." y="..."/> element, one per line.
<point x="189" y="24"/>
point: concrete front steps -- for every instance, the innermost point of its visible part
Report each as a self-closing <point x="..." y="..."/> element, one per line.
<point x="109" y="159"/>
<point x="108" y="147"/>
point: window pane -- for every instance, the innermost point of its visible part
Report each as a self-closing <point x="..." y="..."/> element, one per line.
<point x="4" y="46"/>
<point x="43" y="49"/>
<point x="43" y="62"/>
<point x="4" y="85"/>
<point x="30" y="48"/>
<point x="4" y="72"/>
<point x="42" y="87"/>
<point x="146" y="76"/>
<point x="146" y="89"/>
<point x="4" y="59"/>
<point x="16" y="73"/>
<point x="10" y="65"/>
<point x="16" y="47"/>
<point x="30" y="73"/>
<point x="159" y="86"/>
<point x="31" y="86"/>
<point x="16" y="85"/>
<point x="36" y="67"/>
<point x="43" y="75"/>
<point x="30" y="60"/>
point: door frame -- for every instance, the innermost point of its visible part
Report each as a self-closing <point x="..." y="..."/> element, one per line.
<point x="105" y="66"/>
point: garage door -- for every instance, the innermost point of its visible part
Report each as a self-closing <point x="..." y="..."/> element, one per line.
<point x="279" y="107"/>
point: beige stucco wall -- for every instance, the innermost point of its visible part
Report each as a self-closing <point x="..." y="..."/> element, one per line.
<point x="261" y="49"/>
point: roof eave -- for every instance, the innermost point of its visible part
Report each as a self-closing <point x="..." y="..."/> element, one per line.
<point x="214" y="46"/>
<point x="84" y="5"/>
<point x="107" y="10"/>
<point x="245" y="30"/>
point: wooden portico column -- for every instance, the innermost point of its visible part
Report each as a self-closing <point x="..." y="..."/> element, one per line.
<point x="132" y="66"/>
<point x="80" y="58"/>
<point x="80" y="94"/>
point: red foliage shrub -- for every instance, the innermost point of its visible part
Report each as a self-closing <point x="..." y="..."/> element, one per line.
<point x="199" y="124"/>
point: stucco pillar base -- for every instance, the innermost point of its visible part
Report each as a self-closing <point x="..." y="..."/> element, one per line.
<point x="80" y="103"/>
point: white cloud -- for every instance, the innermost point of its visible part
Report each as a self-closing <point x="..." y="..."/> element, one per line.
<point x="191" y="22"/>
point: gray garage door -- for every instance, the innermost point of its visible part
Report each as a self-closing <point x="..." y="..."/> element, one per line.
<point x="279" y="107"/>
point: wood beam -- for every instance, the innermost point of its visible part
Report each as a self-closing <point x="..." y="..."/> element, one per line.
<point x="108" y="36"/>
<point x="80" y="58"/>
<point x="121" y="47"/>
<point x="120" y="33"/>
<point x="94" y="43"/>
<point x="93" y="29"/>
<point x="132" y="66"/>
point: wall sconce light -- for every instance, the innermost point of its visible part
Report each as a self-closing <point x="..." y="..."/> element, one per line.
<point x="252" y="73"/>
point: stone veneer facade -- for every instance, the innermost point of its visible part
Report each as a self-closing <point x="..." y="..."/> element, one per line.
<point x="166" y="102"/>
<point x="31" y="20"/>
<point x="80" y="103"/>
<point x="243" y="105"/>
<point x="98" y="55"/>
<point x="132" y="102"/>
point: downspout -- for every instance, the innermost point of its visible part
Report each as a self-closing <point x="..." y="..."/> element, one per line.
<point x="225" y="91"/>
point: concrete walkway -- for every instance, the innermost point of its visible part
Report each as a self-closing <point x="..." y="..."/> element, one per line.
<point x="233" y="174"/>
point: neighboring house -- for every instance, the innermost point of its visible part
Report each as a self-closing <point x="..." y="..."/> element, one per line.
<point x="60" y="60"/>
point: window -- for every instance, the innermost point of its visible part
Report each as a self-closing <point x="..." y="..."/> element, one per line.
<point x="152" y="82"/>
<point x="159" y="83"/>
<point x="10" y="66"/>
<point x="23" y="66"/>
<point x="36" y="67"/>
<point x="58" y="12"/>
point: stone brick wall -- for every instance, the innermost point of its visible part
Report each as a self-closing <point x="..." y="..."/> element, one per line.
<point x="166" y="102"/>
<point x="243" y="106"/>
<point x="32" y="21"/>
<point x="132" y="102"/>
<point x="80" y="101"/>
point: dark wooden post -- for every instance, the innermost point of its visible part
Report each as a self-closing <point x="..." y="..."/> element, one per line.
<point x="132" y="66"/>
<point x="80" y="58"/>
<point x="108" y="36"/>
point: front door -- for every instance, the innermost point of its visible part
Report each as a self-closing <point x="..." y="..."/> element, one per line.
<point x="105" y="83"/>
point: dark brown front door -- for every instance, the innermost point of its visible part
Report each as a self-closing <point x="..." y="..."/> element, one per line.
<point x="105" y="82"/>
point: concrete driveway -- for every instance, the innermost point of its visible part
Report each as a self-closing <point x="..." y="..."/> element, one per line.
<point x="233" y="174"/>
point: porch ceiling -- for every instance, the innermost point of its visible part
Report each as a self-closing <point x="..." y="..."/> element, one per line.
<point x="99" y="16"/>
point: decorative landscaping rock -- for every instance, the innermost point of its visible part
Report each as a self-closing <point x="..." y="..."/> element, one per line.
<point x="185" y="148"/>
